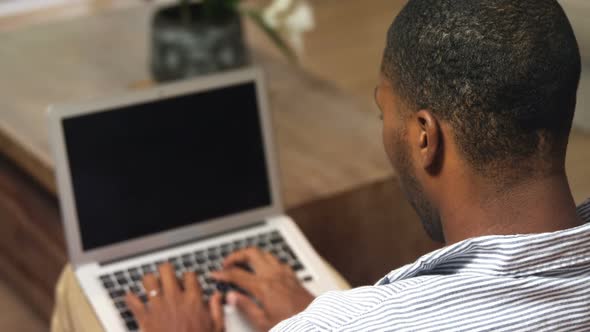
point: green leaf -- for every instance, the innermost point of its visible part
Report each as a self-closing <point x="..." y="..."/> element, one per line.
<point x="257" y="18"/>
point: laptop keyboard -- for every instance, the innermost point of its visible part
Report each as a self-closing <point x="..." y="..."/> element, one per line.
<point x="201" y="262"/>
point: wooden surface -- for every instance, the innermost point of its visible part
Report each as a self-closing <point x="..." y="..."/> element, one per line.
<point x="16" y="315"/>
<point x="347" y="46"/>
<point x="326" y="145"/>
<point x="32" y="248"/>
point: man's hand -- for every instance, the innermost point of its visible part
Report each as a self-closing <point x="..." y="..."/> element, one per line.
<point x="172" y="308"/>
<point x="274" y="286"/>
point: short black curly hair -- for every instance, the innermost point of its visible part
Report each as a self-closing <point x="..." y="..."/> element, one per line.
<point x="503" y="73"/>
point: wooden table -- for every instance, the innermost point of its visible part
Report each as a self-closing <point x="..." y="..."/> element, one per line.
<point x="328" y="148"/>
<point x="315" y="124"/>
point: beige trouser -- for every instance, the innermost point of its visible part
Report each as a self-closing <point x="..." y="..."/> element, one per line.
<point x="72" y="311"/>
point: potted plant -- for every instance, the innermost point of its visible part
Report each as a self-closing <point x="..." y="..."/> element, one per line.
<point x="195" y="38"/>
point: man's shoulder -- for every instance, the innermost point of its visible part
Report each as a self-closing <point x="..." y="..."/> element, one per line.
<point x="449" y="302"/>
<point x="336" y="309"/>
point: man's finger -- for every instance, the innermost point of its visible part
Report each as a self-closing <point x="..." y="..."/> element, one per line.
<point x="216" y="309"/>
<point x="241" y="278"/>
<point x="150" y="282"/>
<point x="136" y="306"/>
<point x="271" y="259"/>
<point x="192" y="285"/>
<point x="168" y="278"/>
<point x="251" y="256"/>
<point x="249" y="308"/>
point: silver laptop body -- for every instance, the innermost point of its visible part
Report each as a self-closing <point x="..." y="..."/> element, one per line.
<point x="167" y="174"/>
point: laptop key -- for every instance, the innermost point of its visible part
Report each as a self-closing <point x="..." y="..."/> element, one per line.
<point x="208" y="292"/>
<point x="108" y="284"/>
<point x="121" y="305"/>
<point x="132" y="325"/>
<point x="147" y="269"/>
<point x="105" y="278"/>
<point x="276" y="241"/>
<point x="116" y="293"/>
<point x="286" y="248"/>
<point x="239" y="244"/>
<point x="297" y="267"/>
<point x="226" y="287"/>
<point x="292" y="254"/>
<point x="126" y="315"/>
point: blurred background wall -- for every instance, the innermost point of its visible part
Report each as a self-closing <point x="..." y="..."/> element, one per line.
<point x="578" y="12"/>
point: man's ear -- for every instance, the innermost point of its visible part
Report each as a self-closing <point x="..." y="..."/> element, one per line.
<point x="429" y="140"/>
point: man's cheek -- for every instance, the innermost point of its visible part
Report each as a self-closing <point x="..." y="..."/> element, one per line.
<point x="388" y="145"/>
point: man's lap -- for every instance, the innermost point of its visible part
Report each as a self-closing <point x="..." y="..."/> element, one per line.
<point x="72" y="311"/>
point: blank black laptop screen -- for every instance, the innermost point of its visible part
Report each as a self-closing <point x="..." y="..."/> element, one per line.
<point x="161" y="165"/>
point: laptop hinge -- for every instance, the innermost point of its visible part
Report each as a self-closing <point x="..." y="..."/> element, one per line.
<point x="201" y="238"/>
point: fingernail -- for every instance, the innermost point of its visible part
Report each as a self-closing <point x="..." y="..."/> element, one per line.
<point x="231" y="298"/>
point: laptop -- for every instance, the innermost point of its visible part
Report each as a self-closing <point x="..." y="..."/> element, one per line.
<point x="184" y="173"/>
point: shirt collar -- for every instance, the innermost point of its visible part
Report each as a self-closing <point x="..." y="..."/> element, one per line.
<point x="505" y="255"/>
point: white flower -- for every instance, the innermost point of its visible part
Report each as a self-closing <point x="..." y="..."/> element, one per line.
<point x="275" y="10"/>
<point x="293" y="17"/>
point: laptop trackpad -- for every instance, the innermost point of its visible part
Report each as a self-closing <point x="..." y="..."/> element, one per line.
<point x="235" y="321"/>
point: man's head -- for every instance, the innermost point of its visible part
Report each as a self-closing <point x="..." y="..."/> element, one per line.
<point x="482" y="87"/>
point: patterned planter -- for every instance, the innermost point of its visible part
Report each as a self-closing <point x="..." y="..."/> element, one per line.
<point x="183" y="48"/>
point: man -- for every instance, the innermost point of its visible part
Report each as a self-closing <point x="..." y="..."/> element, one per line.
<point x="477" y="99"/>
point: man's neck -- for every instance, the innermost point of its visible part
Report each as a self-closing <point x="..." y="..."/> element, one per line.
<point x="536" y="206"/>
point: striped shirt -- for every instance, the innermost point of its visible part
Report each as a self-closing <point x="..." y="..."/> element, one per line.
<point x="537" y="282"/>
